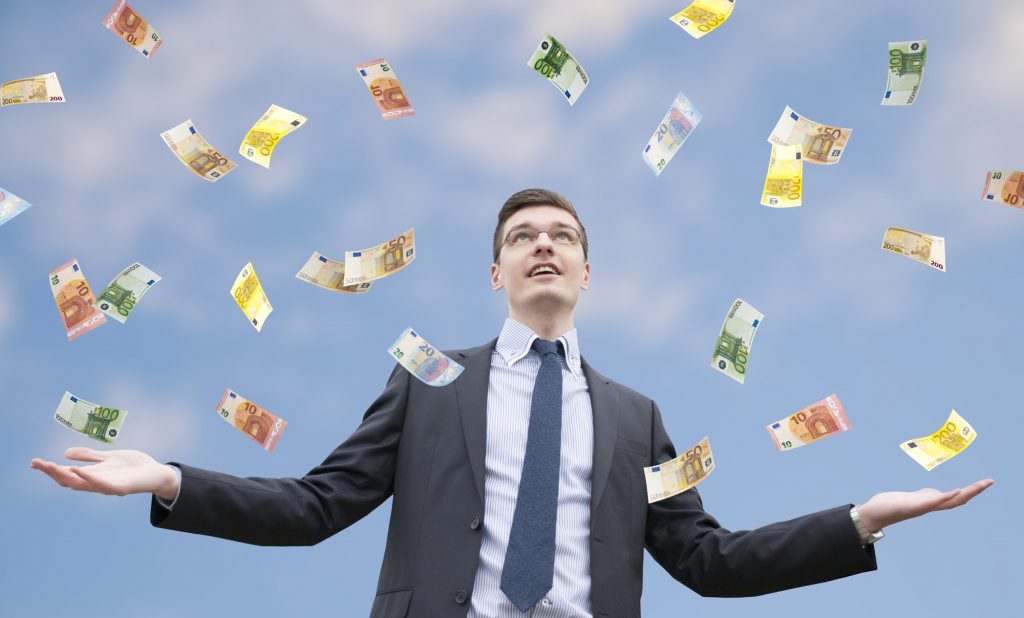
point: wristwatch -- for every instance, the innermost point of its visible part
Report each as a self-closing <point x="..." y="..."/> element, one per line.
<point x="866" y="536"/>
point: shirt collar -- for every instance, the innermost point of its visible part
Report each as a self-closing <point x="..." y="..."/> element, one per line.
<point x="516" y="338"/>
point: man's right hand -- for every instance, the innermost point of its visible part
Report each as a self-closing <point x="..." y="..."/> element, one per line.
<point x="116" y="473"/>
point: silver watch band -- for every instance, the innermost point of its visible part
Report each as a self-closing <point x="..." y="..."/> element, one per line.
<point x="866" y="536"/>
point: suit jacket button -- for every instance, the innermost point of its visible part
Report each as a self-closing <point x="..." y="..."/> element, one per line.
<point x="460" y="597"/>
<point x="473" y="525"/>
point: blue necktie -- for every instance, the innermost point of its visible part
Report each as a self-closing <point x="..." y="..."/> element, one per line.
<point x="530" y="559"/>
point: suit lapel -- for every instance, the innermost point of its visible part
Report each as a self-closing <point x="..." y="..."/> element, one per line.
<point x="471" y="391"/>
<point x="605" y="405"/>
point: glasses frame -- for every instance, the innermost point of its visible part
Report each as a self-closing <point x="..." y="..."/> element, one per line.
<point x="508" y="236"/>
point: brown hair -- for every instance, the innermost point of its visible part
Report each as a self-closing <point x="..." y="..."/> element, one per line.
<point x="534" y="197"/>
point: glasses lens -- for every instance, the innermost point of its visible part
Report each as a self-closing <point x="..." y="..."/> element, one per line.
<point x="566" y="235"/>
<point x="522" y="236"/>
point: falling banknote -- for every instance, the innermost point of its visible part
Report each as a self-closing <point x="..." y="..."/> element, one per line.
<point x="733" y="347"/>
<point x="551" y="60"/>
<point x="906" y="64"/>
<point x="422" y="360"/>
<point x="252" y="420"/>
<point x="675" y="127"/>
<point x="819" y="143"/>
<point x="677" y="475"/>
<point x="261" y="139"/>
<point x="380" y="78"/>
<point x="1008" y="186"/>
<point x="947" y="442"/>
<point x="132" y="28"/>
<point x="196" y="153"/>
<point x="925" y="248"/>
<point x="11" y="206"/>
<point x="95" y="421"/>
<point x="249" y="294"/>
<point x="75" y="300"/>
<point x="810" y="424"/>
<point x="380" y="261"/>
<point x="783" y="187"/>
<point x="703" y="16"/>
<point x="120" y="297"/>
<point x="329" y="274"/>
<point x="38" y="89"/>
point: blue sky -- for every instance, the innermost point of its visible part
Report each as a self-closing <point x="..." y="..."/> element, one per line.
<point x="900" y="343"/>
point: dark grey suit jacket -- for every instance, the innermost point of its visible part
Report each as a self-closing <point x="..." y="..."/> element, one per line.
<point x="425" y="447"/>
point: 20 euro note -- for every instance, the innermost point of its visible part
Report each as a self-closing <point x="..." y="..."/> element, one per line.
<point x="810" y="424"/>
<point x="329" y="274"/>
<point x="950" y="440"/>
<point x="75" y="300"/>
<point x="98" y="422"/>
<point x="385" y="89"/>
<point x="38" y="89"/>
<point x="819" y="143"/>
<point x="249" y="294"/>
<point x="677" y="475"/>
<point x="126" y="23"/>
<point x="258" y="144"/>
<point x="703" y="16"/>
<point x="119" y="298"/>
<point x="422" y="360"/>
<point x="732" y="349"/>
<point x="783" y="186"/>
<point x="1007" y="186"/>
<point x="380" y="261"/>
<point x="552" y="61"/>
<point x="906" y="66"/>
<point x="196" y="153"/>
<point x="918" y="246"/>
<point x="11" y="206"/>
<point x="679" y="121"/>
<point x="252" y="420"/>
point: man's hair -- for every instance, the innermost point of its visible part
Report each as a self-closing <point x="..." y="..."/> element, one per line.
<point x="534" y="197"/>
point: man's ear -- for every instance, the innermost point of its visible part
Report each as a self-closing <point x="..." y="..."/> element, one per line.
<point x="585" y="282"/>
<point x="496" y="283"/>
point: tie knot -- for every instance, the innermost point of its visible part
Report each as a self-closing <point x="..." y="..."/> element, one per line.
<point x="545" y="347"/>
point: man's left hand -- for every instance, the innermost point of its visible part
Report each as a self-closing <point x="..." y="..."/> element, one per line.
<point x="892" y="507"/>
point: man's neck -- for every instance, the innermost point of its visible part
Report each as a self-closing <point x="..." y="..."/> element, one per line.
<point x="547" y="326"/>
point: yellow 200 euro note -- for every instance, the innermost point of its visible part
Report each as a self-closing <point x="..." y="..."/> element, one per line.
<point x="261" y="139"/>
<point x="950" y="440"/>
<point x="925" y="248"/>
<point x="677" y="475"/>
<point x="249" y="294"/>
<point x="784" y="185"/>
<point x="703" y="16"/>
<point x="38" y="89"/>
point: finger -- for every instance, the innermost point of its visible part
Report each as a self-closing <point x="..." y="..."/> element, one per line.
<point x="96" y="482"/>
<point x="83" y="453"/>
<point x="63" y="477"/>
<point x="970" y="492"/>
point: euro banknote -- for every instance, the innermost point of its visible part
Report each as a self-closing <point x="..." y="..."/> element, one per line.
<point x="1007" y="187"/>
<point x="949" y="441"/>
<point x="249" y="294"/>
<point x="252" y="420"/>
<point x="732" y="349"/>
<point x="329" y="274"/>
<point x="422" y="360"/>
<point x="95" y="421"/>
<point x="259" y="142"/>
<point x="385" y="89"/>
<point x="126" y="23"/>
<point x="679" y="121"/>
<point x="906" y="66"/>
<point x="552" y="61"/>
<point x="784" y="184"/>
<point x="380" y="261"/>
<point x="703" y="16"/>
<point x="677" y="475"/>
<point x="925" y="248"/>
<point x="11" y="206"/>
<point x="38" y="89"/>
<point x="119" y="298"/>
<point x="810" y="424"/>
<point x="819" y="143"/>
<point x="196" y="153"/>
<point x="75" y="300"/>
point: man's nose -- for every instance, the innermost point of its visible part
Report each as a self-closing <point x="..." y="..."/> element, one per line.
<point x="543" y="243"/>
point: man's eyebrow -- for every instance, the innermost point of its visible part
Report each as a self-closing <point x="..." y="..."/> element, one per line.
<point x="529" y="224"/>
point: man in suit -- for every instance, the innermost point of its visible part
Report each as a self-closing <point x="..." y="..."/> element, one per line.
<point x="519" y="487"/>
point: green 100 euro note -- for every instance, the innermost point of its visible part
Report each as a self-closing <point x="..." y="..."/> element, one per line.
<point x="677" y="475"/>
<point x="679" y="121"/>
<point x="119" y="298"/>
<point x="422" y="360"/>
<point x="733" y="346"/>
<point x="98" y="422"/>
<point x="906" y="66"/>
<point x="552" y="61"/>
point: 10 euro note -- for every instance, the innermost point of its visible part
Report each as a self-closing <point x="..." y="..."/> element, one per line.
<point x="818" y="143"/>
<point x="252" y="420"/>
<point x="784" y="184"/>
<point x="380" y="261"/>
<point x="810" y="424"/>
<point x="196" y="153"/>
<point x="679" y="121"/>
<point x="75" y="300"/>
<point x="732" y="349"/>
<point x="259" y="142"/>
<point x="11" y="206"/>
<point x="703" y="16"/>
<point x="385" y="89"/>
<point x="918" y="246"/>
<point x="906" y="66"/>
<point x="38" y="89"/>
<point x="1008" y="187"/>
<point x="950" y="440"/>
<point x="126" y="23"/>
<point x="422" y="360"/>
<point x="119" y="298"/>
<point x="249" y="294"/>
<point x="98" y="422"/>
<point x="552" y="61"/>
<point x="329" y="274"/>
<point x="677" y="475"/>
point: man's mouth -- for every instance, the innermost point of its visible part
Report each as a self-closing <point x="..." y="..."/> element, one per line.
<point x="544" y="270"/>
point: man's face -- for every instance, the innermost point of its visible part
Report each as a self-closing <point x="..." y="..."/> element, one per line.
<point x="520" y="268"/>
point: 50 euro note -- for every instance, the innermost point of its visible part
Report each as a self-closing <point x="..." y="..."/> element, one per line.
<point x="196" y="153"/>
<point x="679" y="121"/>
<point x="950" y="440"/>
<point x="126" y="23"/>
<point x="252" y="420"/>
<point x="385" y="89"/>
<point x="1008" y="186"/>
<point x="553" y="62"/>
<point x="677" y="475"/>
<point x="259" y="142"/>
<point x="119" y="298"/>
<point x="75" y="300"/>
<point x="98" y="422"/>
<point x="810" y="424"/>
<point x="249" y="294"/>
<point x="380" y="261"/>
<point x="422" y="360"/>
<point x="329" y="274"/>
<point x="906" y="66"/>
<point x="732" y="349"/>
<point x="703" y="16"/>
<point x="38" y="89"/>
<point x="918" y="246"/>
<point x="11" y="206"/>
<point x="818" y="143"/>
<point x="783" y="186"/>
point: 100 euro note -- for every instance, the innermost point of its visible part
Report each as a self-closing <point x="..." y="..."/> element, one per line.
<point x="119" y="298"/>
<point x="703" y="16"/>
<point x="385" y="89"/>
<point x="258" y="144"/>
<point x="252" y="420"/>
<point x="677" y="475"/>
<point x="906" y="66"/>
<point x="249" y="294"/>
<point x="679" y="121"/>
<point x="732" y="349"/>
<point x="819" y="143"/>
<point x="11" y="206"/>
<point x="98" y="422"/>
<point x="380" y="261"/>
<point x="196" y="153"/>
<point x="783" y="186"/>
<point x="422" y="360"/>
<point x="329" y="274"/>
<point x="552" y="61"/>
<point x="810" y="424"/>
<point x="1007" y="186"/>
<point x="38" y="89"/>
<point x="123" y="21"/>
<point x="75" y="300"/>
<point x="950" y="440"/>
<point x="918" y="246"/>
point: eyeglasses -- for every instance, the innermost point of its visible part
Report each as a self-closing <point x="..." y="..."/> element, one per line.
<point x="527" y="235"/>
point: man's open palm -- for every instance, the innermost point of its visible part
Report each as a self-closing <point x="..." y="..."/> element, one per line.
<point x="118" y="473"/>
<point x="890" y="507"/>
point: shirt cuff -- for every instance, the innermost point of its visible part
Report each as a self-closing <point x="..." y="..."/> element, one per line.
<point x="169" y="505"/>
